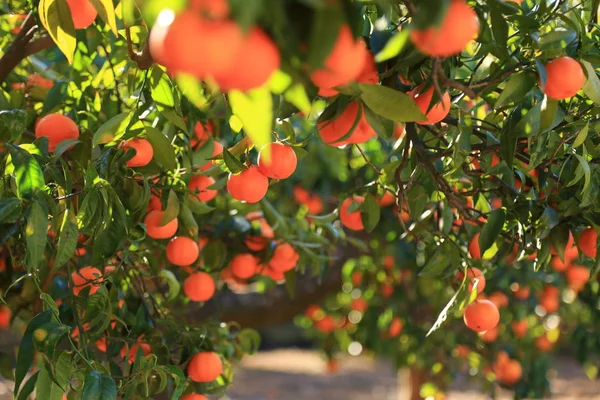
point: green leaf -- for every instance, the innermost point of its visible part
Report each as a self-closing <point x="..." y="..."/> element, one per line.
<point x="28" y="172"/>
<point x="26" y="349"/>
<point x="161" y="87"/>
<point x="233" y="164"/>
<point x="28" y="387"/>
<point x="179" y="378"/>
<point x="12" y="124"/>
<point x="371" y="212"/>
<point x="491" y="229"/>
<point x="549" y="111"/>
<point x="191" y="88"/>
<point x="581" y="136"/>
<point x="214" y="254"/>
<point x="592" y="86"/>
<point x="188" y="222"/>
<point x="64" y="146"/>
<point x="290" y="283"/>
<point x="393" y="47"/>
<point x="499" y="27"/>
<point x="35" y="234"/>
<point x="255" y="110"/>
<point x="106" y="11"/>
<point x="436" y="264"/>
<point x="55" y="16"/>
<point x="99" y="386"/>
<point x="174" y="287"/>
<point x="48" y="336"/>
<point x="197" y="207"/>
<point x="113" y="129"/>
<point x="559" y="238"/>
<point x="516" y="88"/>
<point x="249" y="340"/>
<point x="390" y="103"/>
<point x="296" y="95"/>
<point x="583" y="164"/>
<point x="49" y="304"/>
<point x="67" y="240"/>
<point x="9" y="209"/>
<point x="164" y="153"/>
<point x="172" y="209"/>
<point x="323" y="36"/>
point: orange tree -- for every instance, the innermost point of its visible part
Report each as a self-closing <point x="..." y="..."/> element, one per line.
<point x="175" y="173"/>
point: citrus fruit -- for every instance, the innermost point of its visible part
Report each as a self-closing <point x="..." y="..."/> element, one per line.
<point x="249" y="185"/>
<point x="199" y="286"/>
<point x="57" y="128"/>
<point x="154" y="227"/>
<point x="564" y="78"/>
<point x="351" y="220"/>
<point x="281" y="162"/>
<point x="205" y="366"/>
<point x="5" y="315"/>
<point x="284" y="258"/>
<point x="199" y="184"/>
<point x="83" y="13"/>
<point x="338" y="132"/>
<point x="143" y="152"/>
<point x="244" y="265"/>
<point x="588" y="242"/>
<point x="86" y="277"/>
<point x="182" y="251"/>
<point x="481" y="315"/>
<point x="472" y="274"/>
<point x="437" y="112"/>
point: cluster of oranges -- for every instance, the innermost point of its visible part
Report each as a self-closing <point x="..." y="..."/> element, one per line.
<point x="225" y="54"/>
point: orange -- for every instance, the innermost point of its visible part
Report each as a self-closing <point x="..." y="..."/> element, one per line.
<point x="193" y="396"/>
<point x="395" y="327"/>
<point x="490" y="335"/>
<point x="568" y="245"/>
<point x="146" y="350"/>
<point x="473" y="273"/>
<point x="387" y="289"/>
<point x="326" y="325"/>
<point x="314" y="205"/>
<point x="386" y="200"/>
<point x="544" y="344"/>
<point x="437" y="112"/>
<point x="345" y="62"/>
<point x="351" y="220"/>
<point x="551" y="291"/>
<point x="216" y="52"/>
<point x="155" y="230"/>
<point x="462" y="350"/>
<point x="359" y="304"/>
<point x="368" y="74"/>
<point x="277" y="276"/>
<point x="332" y="366"/>
<point x="182" y="251"/>
<point x="143" y="152"/>
<point x="459" y="27"/>
<point x="199" y="286"/>
<point x="284" y="258"/>
<point x="398" y="131"/>
<point x="256" y="243"/>
<point x="559" y="265"/>
<point x="244" y="265"/>
<point x="550" y="303"/>
<point x="5" y="315"/>
<point x="312" y="311"/>
<point x="154" y="203"/>
<point x="217" y="9"/>
<point x="249" y="185"/>
<point x="473" y="247"/>
<point x="511" y="372"/>
<point x="86" y="277"/>
<point x="564" y="78"/>
<point x="388" y="262"/>
<point x="587" y="242"/>
<point x="83" y="13"/>
<point x="199" y="186"/>
<point x="522" y="293"/>
<point x="577" y="276"/>
<point x="356" y="278"/>
<point x="333" y="132"/>
<point x="282" y="162"/>
<point x="519" y="327"/>
<point x="257" y="59"/>
<point x="205" y="366"/>
<point x="301" y="195"/>
<point x="56" y="128"/>
<point x="201" y="134"/>
<point x="481" y="315"/>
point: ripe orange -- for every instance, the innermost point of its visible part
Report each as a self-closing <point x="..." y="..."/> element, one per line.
<point x="481" y="315"/>
<point x="154" y="203"/>
<point x="388" y="262"/>
<point x="543" y="343"/>
<point x="351" y="220"/>
<point x="193" y="396"/>
<point x="170" y="36"/>
<point x="146" y="350"/>
<point x="587" y="242"/>
<point x="86" y="277"/>
<point x="511" y="372"/>
<point x="201" y="134"/>
<point x="332" y="366"/>
<point x="473" y="273"/>
<point x="359" y="304"/>
<point x="83" y="13"/>
<point x="143" y="152"/>
<point x="459" y="27"/>
<point x="345" y="62"/>
<point x="205" y="366"/>
<point x="314" y="205"/>
<point x="564" y="78"/>
<point x="326" y="325"/>
<point x="522" y="293"/>
<point x="550" y="303"/>
<point x="559" y="265"/>
<point x="301" y="195"/>
<point x="5" y="315"/>
<point x="256" y="243"/>
<point x="395" y="327"/>
<point x="357" y="278"/>
<point x="284" y="258"/>
<point x="490" y="335"/>
<point x="249" y="185"/>
<point x="473" y="247"/>
<point x="56" y="128"/>
<point x="577" y="276"/>
<point x="386" y="200"/>
<point x="369" y="74"/>
<point x="199" y="286"/>
<point x="257" y="59"/>
<point x="199" y="185"/>
<point x="551" y="291"/>
<point x="281" y="164"/>
<point x="244" y="265"/>
<point x="332" y="132"/>
<point x="398" y="131"/>
<point x="312" y="311"/>
<point x="520" y="327"/>
<point x="182" y="251"/>
<point x="154" y="228"/>
<point x="423" y="100"/>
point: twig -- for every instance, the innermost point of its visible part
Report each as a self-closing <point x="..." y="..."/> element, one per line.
<point x="143" y="58"/>
<point x="369" y="163"/>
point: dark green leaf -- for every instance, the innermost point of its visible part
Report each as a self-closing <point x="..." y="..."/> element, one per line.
<point x="492" y="229"/>
<point x="26" y="349"/>
<point x="249" y="340"/>
<point x="233" y="164"/>
<point x="516" y="88"/>
<point x="10" y="209"/>
<point x="67" y="240"/>
<point x="172" y="209"/>
<point x="28" y="387"/>
<point x="164" y="153"/>
<point x="35" y="234"/>
<point x="371" y="212"/>
<point x="28" y="172"/>
<point x="99" y="386"/>
<point x="592" y="86"/>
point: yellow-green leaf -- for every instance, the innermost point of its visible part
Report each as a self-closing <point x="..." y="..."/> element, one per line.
<point x="255" y="110"/>
<point x="106" y="11"/>
<point x="55" y="16"/>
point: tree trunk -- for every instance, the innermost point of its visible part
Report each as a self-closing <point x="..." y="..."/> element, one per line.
<point x="410" y="381"/>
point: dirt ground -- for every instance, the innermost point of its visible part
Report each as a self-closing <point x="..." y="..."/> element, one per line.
<point x="300" y="375"/>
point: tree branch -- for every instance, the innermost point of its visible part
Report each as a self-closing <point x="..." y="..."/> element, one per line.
<point x="143" y="58"/>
